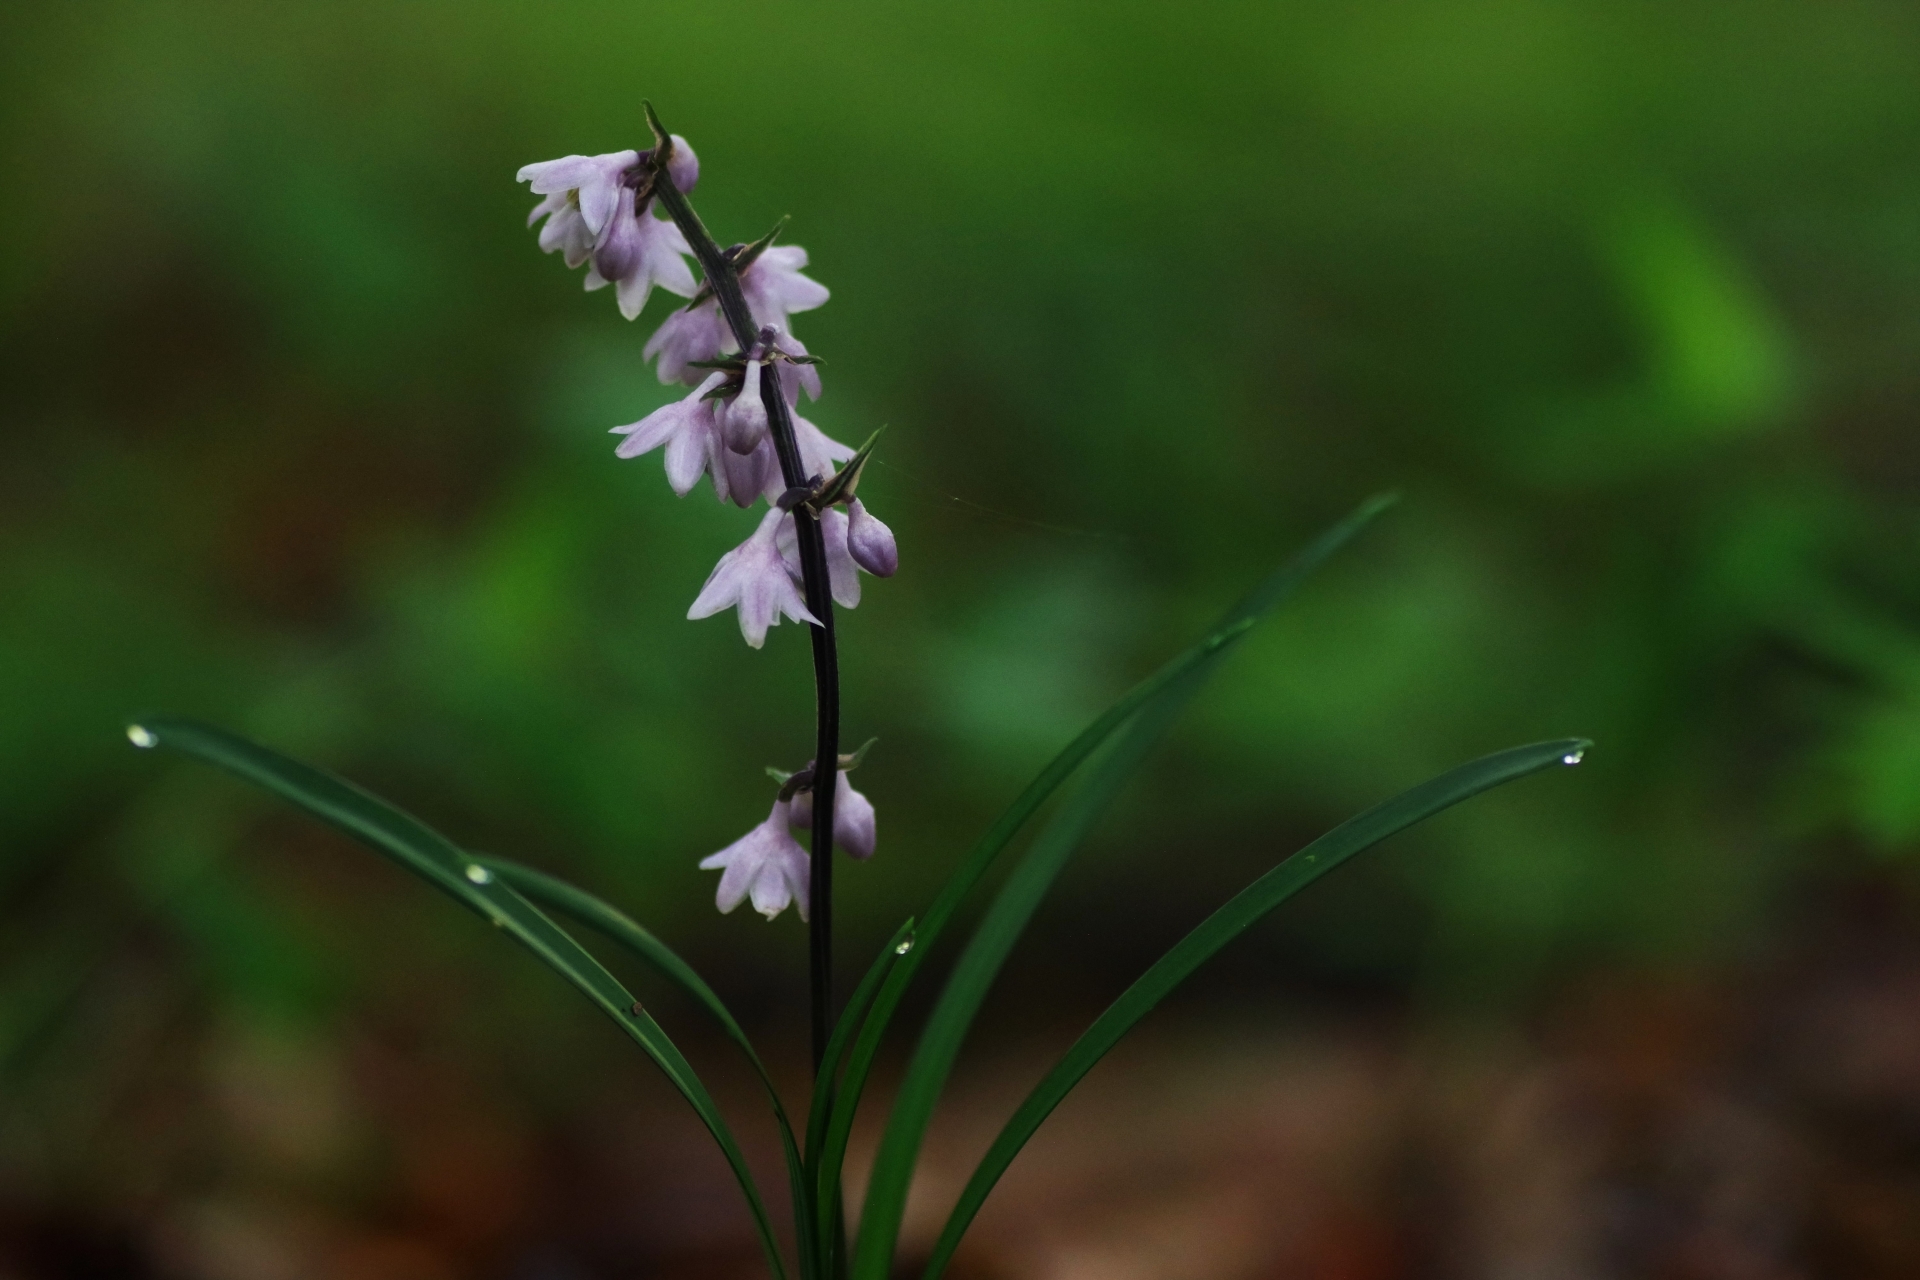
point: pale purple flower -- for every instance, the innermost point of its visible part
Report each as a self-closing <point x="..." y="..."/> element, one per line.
<point x="796" y="373"/>
<point x="871" y="542"/>
<point x="578" y="188"/>
<point x="842" y="574"/>
<point x="774" y="290"/>
<point x="591" y="214"/>
<point x="566" y="230"/>
<point x="690" y="431"/>
<point x="754" y="577"/>
<point x="694" y="430"/>
<point x="751" y="475"/>
<point x="767" y="864"/>
<point x="698" y="332"/>
<point x="637" y="251"/>
<point x="820" y="453"/>
<point x="853" y="818"/>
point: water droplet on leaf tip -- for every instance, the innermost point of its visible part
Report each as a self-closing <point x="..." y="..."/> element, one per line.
<point x="1574" y="757"/>
<point x="479" y="874"/>
<point x="141" y="737"/>
<point x="905" y="946"/>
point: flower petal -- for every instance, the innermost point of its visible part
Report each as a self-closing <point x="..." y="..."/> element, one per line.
<point x="819" y="452"/>
<point x="853" y="818"/>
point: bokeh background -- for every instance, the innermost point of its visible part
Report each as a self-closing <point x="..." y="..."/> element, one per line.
<point x="303" y="435"/>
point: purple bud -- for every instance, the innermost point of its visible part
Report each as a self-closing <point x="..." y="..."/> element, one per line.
<point x="871" y="542"/>
<point x="747" y="415"/>
<point x="684" y="167"/>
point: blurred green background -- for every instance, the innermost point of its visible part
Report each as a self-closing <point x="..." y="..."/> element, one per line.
<point x="304" y="436"/>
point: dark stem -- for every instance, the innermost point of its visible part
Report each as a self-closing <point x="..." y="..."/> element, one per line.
<point x="724" y="280"/>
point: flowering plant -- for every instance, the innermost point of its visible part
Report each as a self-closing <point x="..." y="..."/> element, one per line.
<point x="739" y="427"/>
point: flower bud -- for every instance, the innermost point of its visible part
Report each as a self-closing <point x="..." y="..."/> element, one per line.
<point x="871" y="542"/>
<point x="747" y="415"/>
<point x="684" y="166"/>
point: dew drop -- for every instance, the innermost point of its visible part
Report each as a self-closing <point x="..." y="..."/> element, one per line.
<point x="479" y="874"/>
<point x="906" y="945"/>
<point x="141" y="737"/>
<point x="637" y="1009"/>
<point x="1574" y="757"/>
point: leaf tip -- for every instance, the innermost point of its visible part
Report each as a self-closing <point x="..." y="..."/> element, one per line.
<point x="1379" y="502"/>
<point x="1227" y="635"/>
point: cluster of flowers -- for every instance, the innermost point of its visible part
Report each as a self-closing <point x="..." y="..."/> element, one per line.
<point x="599" y="211"/>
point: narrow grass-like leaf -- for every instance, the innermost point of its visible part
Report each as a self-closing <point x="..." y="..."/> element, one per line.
<point x="966" y="990"/>
<point x="596" y="913"/>
<point x="1146" y="711"/>
<point x="434" y="858"/>
<point x="857" y="1005"/>
<point x="826" y="1197"/>
<point x="1241" y="912"/>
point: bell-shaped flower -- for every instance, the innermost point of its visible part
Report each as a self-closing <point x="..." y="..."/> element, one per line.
<point x="691" y="433"/>
<point x="696" y="332"/>
<point x="870" y="542"/>
<point x="775" y="289"/>
<point x="750" y="475"/>
<point x="753" y="577"/>
<point x="767" y="865"/>
<point x="592" y="213"/>
<point x="820" y="453"/>
<point x="566" y="230"/>
<point x="842" y="574"/>
<point x="853" y="819"/>
<point x="588" y="187"/>
<point x="691" y="430"/>
<point x="795" y="374"/>
<point x="637" y="251"/>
